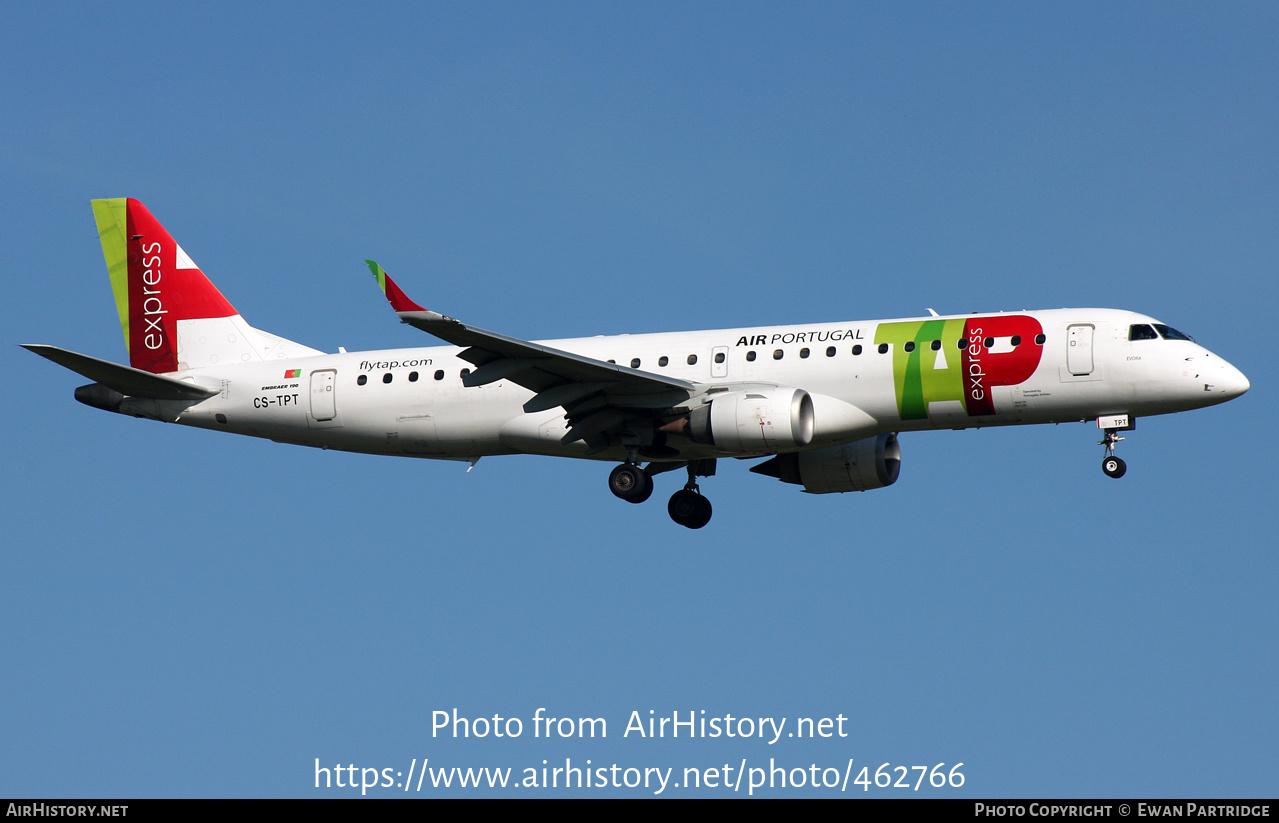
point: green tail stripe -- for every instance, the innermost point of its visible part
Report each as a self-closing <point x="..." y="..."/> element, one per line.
<point x="378" y="273"/>
<point x="112" y="219"/>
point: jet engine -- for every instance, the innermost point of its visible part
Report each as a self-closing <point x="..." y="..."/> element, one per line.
<point x="766" y="420"/>
<point x="853" y="467"/>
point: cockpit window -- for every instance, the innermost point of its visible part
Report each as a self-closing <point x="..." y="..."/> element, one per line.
<point x="1141" y="331"/>
<point x="1169" y="333"/>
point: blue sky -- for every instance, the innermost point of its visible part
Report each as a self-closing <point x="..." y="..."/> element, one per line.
<point x="187" y="614"/>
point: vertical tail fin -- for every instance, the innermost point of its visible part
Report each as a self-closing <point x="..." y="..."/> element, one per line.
<point x="173" y="317"/>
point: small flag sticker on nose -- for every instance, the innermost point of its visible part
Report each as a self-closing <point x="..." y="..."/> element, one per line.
<point x="293" y="373"/>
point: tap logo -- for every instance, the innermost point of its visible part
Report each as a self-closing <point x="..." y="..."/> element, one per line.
<point x="960" y="359"/>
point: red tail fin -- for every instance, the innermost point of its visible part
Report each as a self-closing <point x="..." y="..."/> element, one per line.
<point x="155" y="283"/>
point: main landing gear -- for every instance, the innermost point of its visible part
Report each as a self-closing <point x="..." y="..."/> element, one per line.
<point x="1113" y="466"/>
<point x="687" y="506"/>
<point x="631" y="483"/>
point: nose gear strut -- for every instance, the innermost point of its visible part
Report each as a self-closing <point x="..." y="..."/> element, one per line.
<point x="1110" y="464"/>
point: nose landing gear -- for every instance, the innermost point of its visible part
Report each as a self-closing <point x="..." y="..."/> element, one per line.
<point x="1111" y="425"/>
<point x="1110" y="464"/>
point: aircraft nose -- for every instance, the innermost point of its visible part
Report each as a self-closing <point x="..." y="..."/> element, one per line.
<point x="1231" y="382"/>
<point x="1224" y="382"/>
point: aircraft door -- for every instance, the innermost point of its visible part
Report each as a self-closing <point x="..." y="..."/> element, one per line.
<point x="323" y="402"/>
<point x="1079" y="349"/>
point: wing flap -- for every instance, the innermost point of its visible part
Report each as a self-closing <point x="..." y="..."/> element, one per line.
<point x="563" y="394"/>
<point x="501" y="368"/>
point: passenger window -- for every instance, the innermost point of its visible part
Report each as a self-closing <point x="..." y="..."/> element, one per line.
<point x="719" y="356"/>
<point x="857" y="349"/>
<point x="1039" y="339"/>
<point x="935" y="345"/>
<point x="412" y="377"/>
<point x="1140" y="331"/>
<point x="989" y="342"/>
<point x="361" y="380"/>
<point x="692" y="360"/>
<point x="750" y="356"/>
<point x="635" y="361"/>
<point x="439" y="375"/>
<point x="883" y="348"/>
<point x="1016" y="341"/>
<point x="803" y="353"/>
<point x="778" y="354"/>
<point x="830" y="351"/>
<point x="386" y="378"/>
<point x="663" y="360"/>
<point x="910" y="346"/>
<point x="464" y="373"/>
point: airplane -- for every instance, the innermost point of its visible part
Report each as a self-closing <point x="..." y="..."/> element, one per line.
<point x="824" y="403"/>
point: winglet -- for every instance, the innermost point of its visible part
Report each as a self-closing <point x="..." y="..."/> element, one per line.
<point x="398" y="299"/>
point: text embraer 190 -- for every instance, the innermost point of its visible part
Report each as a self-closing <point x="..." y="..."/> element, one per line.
<point x="824" y="402"/>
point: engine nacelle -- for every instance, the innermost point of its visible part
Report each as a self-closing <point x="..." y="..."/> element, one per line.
<point x="854" y="467"/>
<point x="757" y="421"/>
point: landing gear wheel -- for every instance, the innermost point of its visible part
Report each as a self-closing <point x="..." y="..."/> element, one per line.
<point x="690" y="509"/>
<point x="1114" y="467"/>
<point x="1110" y="464"/>
<point x="631" y="483"/>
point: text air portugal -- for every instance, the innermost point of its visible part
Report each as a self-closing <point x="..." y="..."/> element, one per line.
<point x="161" y="294"/>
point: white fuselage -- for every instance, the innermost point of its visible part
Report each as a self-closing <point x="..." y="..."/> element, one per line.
<point x="952" y="372"/>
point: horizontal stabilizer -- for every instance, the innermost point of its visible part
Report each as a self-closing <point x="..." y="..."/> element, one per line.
<point x="126" y="380"/>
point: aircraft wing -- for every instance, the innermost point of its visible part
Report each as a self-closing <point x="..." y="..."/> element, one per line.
<point x="598" y="396"/>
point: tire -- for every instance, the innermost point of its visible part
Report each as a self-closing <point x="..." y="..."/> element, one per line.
<point x="630" y="483"/>
<point x="1114" y="467"/>
<point x="689" y="509"/>
<point x="703" y="514"/>
<point x="647" y="491"/>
